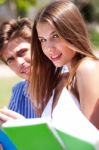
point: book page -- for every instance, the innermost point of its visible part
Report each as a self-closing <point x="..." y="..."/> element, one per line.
<point x="25" y="122"/>
<point x="68" y="118"/>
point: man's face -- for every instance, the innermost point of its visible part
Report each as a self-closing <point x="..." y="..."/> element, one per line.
<point x="17" y="55"/>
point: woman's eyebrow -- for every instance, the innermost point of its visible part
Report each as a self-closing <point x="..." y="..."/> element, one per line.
<point x="53" y="32"/>
<point x="50" y="34"/>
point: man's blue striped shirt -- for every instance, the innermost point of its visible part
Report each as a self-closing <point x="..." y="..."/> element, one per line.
<point x="20" y="101"/>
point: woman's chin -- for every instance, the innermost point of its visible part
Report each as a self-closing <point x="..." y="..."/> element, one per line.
<point x="58" y="65"/>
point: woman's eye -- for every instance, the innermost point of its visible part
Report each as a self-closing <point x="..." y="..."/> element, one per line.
<point x="42" y="40"/>
<point x="55" y="36"/>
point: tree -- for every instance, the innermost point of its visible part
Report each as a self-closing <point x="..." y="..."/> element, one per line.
<point x="22" y="6"/>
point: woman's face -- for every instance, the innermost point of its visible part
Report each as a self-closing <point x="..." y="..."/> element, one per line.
<point x="53" y="45"/>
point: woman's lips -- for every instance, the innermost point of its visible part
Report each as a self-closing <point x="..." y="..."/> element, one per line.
<point x="56" y="57"/>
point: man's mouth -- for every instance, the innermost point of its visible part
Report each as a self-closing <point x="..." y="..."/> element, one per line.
<point x="25" y="70"/>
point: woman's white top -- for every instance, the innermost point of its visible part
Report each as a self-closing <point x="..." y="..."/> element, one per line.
<point x="67" y="102"/>
<point x="48" y="109"/>
<point x="68" y="118"/>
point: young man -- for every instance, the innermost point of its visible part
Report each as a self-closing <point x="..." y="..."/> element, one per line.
<point x="15" y="38"/>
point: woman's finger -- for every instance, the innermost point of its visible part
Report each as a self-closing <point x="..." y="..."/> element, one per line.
<point x="10" y="114"/>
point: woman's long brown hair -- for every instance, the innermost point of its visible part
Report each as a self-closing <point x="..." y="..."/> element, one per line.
<point x="67" y="20"/>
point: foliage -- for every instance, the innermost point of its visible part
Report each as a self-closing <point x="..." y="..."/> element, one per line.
<point x="94" y="36"/>
<point x="88" y="12"/>
<point x="89" y="9"/>
<point x="23" y="6"/>
<point x="2" y="2"/>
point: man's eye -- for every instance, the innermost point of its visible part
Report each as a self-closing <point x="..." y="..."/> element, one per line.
<point x="22" y="52"/>
<point x="10" y="61"/>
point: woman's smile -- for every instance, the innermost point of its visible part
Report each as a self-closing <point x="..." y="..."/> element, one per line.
<point x="56" y="57"/>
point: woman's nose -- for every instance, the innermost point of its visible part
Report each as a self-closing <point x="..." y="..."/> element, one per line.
<point x="50" y="47"/>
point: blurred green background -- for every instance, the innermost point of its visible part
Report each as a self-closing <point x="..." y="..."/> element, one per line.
<point x="14" y="8"/>
<point x="6" y="84"/>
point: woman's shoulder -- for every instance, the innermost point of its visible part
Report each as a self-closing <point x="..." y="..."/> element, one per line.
<point x="88" y="64"/>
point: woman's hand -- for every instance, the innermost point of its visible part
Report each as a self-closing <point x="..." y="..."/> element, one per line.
<point x="6" y="114"/>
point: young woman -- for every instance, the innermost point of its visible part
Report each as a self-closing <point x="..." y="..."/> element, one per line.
<point x="59" y="38"/>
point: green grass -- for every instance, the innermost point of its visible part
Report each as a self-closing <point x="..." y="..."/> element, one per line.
<point x="6" y="84"/>
<point x="94" y="36"/>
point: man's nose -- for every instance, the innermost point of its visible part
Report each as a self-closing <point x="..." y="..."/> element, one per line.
<point x="20" y="61"/>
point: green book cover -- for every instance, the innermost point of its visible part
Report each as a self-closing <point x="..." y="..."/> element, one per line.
<point x="39" y="134"/>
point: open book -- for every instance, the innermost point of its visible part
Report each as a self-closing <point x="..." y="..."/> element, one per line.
<point x="41" y="134"/>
